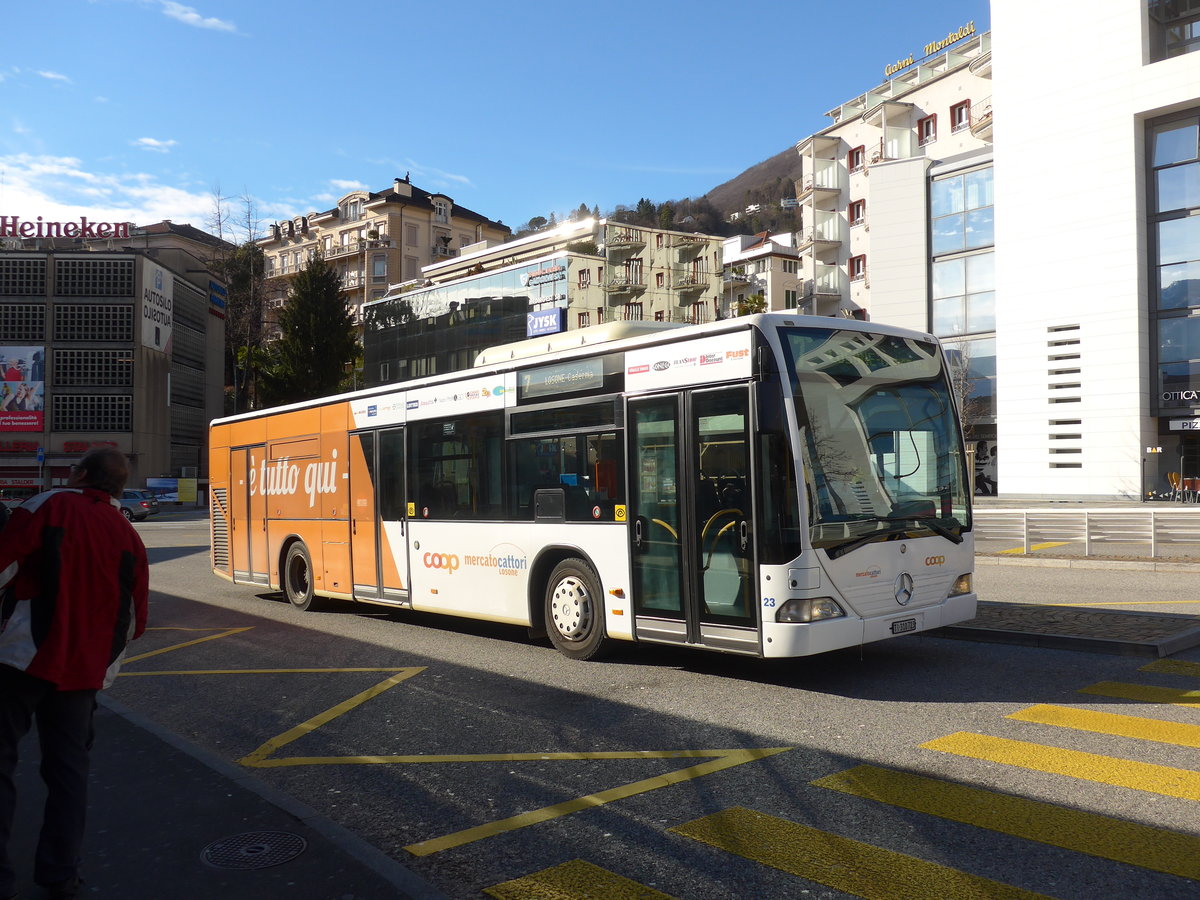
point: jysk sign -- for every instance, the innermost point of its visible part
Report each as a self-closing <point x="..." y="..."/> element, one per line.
<point x="545" y="321"/>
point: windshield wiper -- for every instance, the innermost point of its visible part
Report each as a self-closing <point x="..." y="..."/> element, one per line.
<point x="924" y="521"/>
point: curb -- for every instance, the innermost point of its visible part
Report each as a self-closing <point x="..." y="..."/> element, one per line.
<point x="1086" y="562"/>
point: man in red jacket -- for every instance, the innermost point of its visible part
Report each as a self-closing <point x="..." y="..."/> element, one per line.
<point x="75" y="588"/>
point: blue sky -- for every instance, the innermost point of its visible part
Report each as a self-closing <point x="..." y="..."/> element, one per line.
<point x="141" y="110"/>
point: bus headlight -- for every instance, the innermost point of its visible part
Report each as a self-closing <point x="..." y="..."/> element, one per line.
<point x="812" y="610"/>
<point x="962" y="585"/>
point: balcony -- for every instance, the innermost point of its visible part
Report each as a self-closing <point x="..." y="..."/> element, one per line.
<point x="353" y="247"/>
<point x="981" y="119"/>
<point x="626" y="239"/>
<point x="687" y="244"/>
<point x="622" y="283"/>
<point x="441" y="251"/>
<point x="690" y="281"/>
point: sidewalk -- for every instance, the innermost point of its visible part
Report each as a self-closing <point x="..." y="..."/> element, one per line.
<point x="168" y="819"/>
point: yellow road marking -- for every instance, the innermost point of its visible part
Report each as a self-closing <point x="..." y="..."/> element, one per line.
<point x="1144" y="693"/>
<point x="255" y="671"/>
<point x="1108" y="603"/>
<point x="1173" y="667"/>
<point x="838" y="862"/>
<point x="256" y="758"/>
<point x="574" y="880"/>
<point x="1056" y="826"/>
<point x="1138" y="776"/>
<point x="725" y="759"/>
<point x="212" y="637"/>
<point x="1045" y="546"/>
<point x="1156" y="730"/>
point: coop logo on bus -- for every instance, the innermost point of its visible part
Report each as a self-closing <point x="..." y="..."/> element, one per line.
<point x="282" y="478"/>
<point x="935" y="560"/>
<point x="447" y="561"/>
<point x="505" y="559"/>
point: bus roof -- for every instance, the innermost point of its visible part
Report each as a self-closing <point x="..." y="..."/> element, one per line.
<point x="570" y="343"/>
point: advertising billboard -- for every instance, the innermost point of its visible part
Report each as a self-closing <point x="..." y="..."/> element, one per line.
<point x="22" y="388"/>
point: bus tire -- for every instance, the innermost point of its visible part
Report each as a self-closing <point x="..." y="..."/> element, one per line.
<point x="298" y="577"/>
<point x="575" y="610"/>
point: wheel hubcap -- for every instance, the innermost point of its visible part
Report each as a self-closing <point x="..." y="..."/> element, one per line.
<point x="571" y="609"/>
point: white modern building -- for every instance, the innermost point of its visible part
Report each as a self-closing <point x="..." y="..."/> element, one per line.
<point x="1097" y="246"/>
<point x="1054" y="247"/>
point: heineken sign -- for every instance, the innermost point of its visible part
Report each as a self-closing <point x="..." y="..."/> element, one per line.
<point x="15" y="227"/>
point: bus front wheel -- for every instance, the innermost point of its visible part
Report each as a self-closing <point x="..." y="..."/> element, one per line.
<point x="298" y="578"/>
<point x="575" y="610"/>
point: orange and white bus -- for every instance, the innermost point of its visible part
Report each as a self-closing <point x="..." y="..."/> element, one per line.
<point x="773" y="485"/>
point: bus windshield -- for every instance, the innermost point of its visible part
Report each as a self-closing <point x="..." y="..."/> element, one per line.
<point x="879" y="438"/>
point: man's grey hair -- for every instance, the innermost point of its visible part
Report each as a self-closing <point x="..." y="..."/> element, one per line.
<point x="105" y="469"/>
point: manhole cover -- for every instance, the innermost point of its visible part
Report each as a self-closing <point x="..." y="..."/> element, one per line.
<point x="254" y="850"/>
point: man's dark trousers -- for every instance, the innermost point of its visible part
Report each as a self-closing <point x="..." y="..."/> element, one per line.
<point x="64" y="721"/>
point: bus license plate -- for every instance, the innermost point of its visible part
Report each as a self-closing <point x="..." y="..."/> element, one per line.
<point x="904" y="625"/>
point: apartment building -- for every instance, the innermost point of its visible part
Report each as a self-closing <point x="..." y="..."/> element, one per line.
<point x="372" y="239"/>
<point x="763" y="265"/>
<point x="113" y="346"/>
<point x="579" y="274"/>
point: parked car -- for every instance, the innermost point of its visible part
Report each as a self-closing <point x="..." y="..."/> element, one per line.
<point x="137" y="505"/>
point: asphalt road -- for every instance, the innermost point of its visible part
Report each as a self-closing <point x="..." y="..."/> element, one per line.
<point x="915" y="767"/>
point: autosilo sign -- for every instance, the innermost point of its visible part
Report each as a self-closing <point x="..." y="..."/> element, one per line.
<point x="158" y="303"/>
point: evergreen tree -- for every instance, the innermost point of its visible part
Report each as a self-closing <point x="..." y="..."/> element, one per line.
<point x="319" y="339"/>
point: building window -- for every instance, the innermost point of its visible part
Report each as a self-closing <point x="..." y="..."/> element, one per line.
<point x="410" y="268"/>
<point x="1175" y="173"/>
<point x="1173" y="154"/>
<point x="410" y="235"/>
<point x="441" y="211"/>
<point x="22" y="322"/>
<point x="926" y="130"/>
<point x="585" y="277"/>
<point x="961" y="208"/>
<point x="964" y="295"/>
<point x="856" y="158"/>
<point x="1174" y="28"/>
<point x="791" y="266"/>
<point x="92" y="412"/>
<point x="599" y="315"/>
<point x="23" y="277"/>
<point x="585" y="319"/>
<point x="960" y="116"/>
<point x="857" y="212"/>
<point x="93" y="322"/>
<point x="791" y="299"/>
<point x="973" y="375"/>
<point x="659" y="279"/>
<point x="379" y="267"/>
<point x="857" y="267"/>
<point x="93" y="277"/>
<point x="634" y="312"/>
<point x="97" y="368"/>
<point x="659" y="316"/>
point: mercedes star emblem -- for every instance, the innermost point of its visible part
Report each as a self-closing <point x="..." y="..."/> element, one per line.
<point x="904" y="588"/>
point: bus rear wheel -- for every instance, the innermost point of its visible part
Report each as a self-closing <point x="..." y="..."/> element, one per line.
<point x="298" y="578"/>
<point x="575" y="610"/>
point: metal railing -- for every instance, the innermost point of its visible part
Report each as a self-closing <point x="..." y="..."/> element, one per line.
<point x="1116" y="526"/>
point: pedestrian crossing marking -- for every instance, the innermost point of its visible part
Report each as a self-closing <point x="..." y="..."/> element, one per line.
<point x="1157" y="730"/>
<point x="1173" y="667"/>
<point x="1154" y="779"/>
<point x="1144" y="693"/>
<point x="841" y="863"/>
<point x="1069" y="829"/>
<point x="574" y="880"/>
